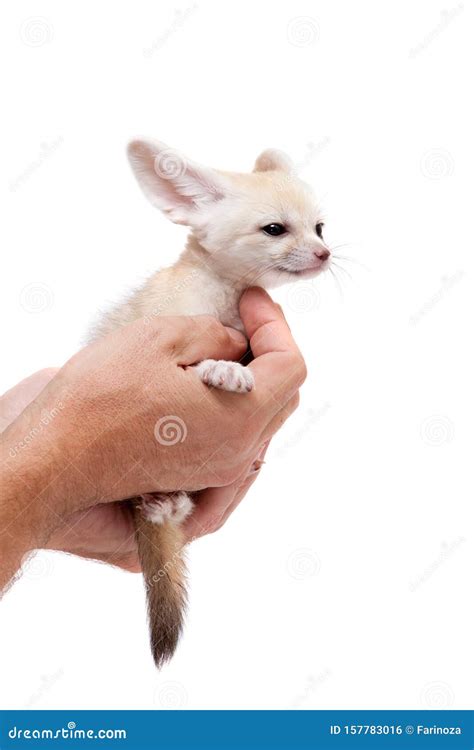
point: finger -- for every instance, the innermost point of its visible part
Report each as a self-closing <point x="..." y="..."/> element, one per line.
<point x="238" y="497"/>
<point x="203" y="337"/>
<point x="263" y="319"/>
<point x="215" y="504"/>
<point x="247" y="482"/>
<point x="280" y="418"/>
<point x="278" y="366"/>
<point x="208" y="511"/>
<point x="104" y="532"/>
<point x="126" y="561"/>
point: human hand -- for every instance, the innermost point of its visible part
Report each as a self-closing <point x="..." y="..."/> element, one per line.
<point x="101" y="383"/>
<point x="106" y="532"/>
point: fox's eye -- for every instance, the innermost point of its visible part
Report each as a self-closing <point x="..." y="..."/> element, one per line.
<point x="274" y="230"/>
<point x="319" y="229"/>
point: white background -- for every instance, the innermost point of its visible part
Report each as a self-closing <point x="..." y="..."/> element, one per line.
<point x="341" y="582"/>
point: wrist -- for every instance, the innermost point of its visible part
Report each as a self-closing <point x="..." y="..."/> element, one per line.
<point x="36" y="483"/>
<point x="24" y="525"/>
<point x="22" y="528"/>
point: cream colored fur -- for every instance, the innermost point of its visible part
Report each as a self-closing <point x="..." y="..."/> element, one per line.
<point x="228" y="250"/>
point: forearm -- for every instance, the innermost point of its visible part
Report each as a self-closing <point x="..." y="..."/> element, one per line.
<point x="20" y="525"/>
<point x="33" y="478"/>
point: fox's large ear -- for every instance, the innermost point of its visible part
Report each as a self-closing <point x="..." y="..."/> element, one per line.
<point x="273" y="160"/>
<point x="174" y="184"/>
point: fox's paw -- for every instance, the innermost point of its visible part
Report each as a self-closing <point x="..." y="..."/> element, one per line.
<point x="161" y="507"/>
<point x="228" y="376"/>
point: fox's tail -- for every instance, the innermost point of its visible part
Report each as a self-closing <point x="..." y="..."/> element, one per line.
<point x="160" y="548"/>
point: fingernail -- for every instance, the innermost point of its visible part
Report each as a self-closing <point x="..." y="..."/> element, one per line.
<point x="258" y="463"/>
<point x="262" y="452"/>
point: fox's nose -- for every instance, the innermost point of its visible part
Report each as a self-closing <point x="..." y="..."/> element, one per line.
<point x="322" y="253"/>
